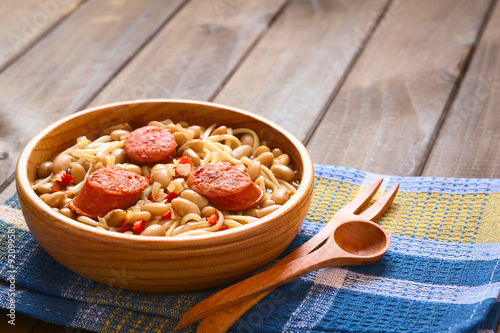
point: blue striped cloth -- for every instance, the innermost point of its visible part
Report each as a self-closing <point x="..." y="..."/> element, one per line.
<point x="441" y="273"/>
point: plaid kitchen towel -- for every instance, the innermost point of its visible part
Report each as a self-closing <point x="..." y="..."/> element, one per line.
<point x="441" y="273"/>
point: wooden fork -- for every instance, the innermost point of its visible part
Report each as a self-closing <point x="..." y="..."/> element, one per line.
<point x="220" y="318"/>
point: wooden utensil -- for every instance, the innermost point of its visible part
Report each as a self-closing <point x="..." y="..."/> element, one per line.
<point x="349" y="238"/>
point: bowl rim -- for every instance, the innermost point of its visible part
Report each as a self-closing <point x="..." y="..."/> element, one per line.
<point x="23" y="184"/>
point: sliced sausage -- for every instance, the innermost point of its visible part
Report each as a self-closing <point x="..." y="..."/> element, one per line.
<point x="150" y="144"/>
<point x="108" y="189"/>
<point x="225" y="186"/>
<point x="247" y="198"/>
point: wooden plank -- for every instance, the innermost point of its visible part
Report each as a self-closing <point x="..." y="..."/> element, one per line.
<point x="70" y="65"/>
<point x="468" y="144"/>
<point x="195" y="53"/>
<point x="295" y="70"/>
<point x="24" y="22"/>
<point x="384" y="118"/>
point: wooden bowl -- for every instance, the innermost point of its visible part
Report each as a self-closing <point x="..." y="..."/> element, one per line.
<point x="160" y="264"/>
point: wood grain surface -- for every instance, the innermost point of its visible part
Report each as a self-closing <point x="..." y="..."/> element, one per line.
<point x="25" y="22"/>
<point x="299" y="64"/>
<point x="468" y="143"/>
<point x="59" y="74"/>
<point x="392" y="103"/>
<point x="194" y="53"/>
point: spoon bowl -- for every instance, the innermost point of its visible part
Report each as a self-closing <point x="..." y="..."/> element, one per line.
<point x="361" y="238"/>
<point x="350" y="238"/>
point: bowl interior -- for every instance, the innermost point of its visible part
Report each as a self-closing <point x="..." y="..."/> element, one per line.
<point x="62" y="134"/>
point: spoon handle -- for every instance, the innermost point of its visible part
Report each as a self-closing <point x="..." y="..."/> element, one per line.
<point x="214" y="322"/>
<point x="267" y="280"/>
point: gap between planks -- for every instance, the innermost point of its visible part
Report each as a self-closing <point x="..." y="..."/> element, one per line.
<point x="464" y="68"/>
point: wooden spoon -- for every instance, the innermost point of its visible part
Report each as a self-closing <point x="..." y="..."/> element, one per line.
<point x="351" y="243"/>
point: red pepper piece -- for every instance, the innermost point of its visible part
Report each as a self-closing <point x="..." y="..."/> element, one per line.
<point x="64" y="179"/>
<point x="167" y="215"/>
<point x="171" y="196"/>
<point x="123" y="227"/>
<point x="185" y="160"/>
<point x="213" y="219"/>
<point x="139" y="226"/>
<point x="222" y="228"/>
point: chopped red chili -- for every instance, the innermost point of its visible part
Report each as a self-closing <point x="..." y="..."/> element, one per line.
<point x="167" y="215"/>
<point x="64" y="179"/>
<point x="222" y="228"/>
<point x="213" y="219"/>
<point x="139" y="226"/>
<point x="185" y="160"/>
<point x="171" y="196"/>
<point x="124" y="226"/>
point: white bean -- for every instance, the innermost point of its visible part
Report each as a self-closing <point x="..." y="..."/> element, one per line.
<point x="48" y="187"/>
<point x="156" y="124"/>
<point x="154" y="230"/>
<point x="277" y="152"/>
<point x="155" y="208"/>
<point x="193" y="156"/>
<point x="141" y="215"/>
<point x="61" y="163"/>
<point x="172" y="128"/>
<point x="266" y="211"/>
<point x="162" y="176"/>
<point x="281" y="171"/>
<point x="184" y="207"/>
<point x="196" y="130"/>
<point x="219" y="130"/>
<point x="133" y="168"/>
<point x="243" y="150"/>
<point x="78" y="172"/>
<point x="180" y="139"/>
<point x="260" y="150"/>
<point x="268" y="203"/>
<point x="120" y="155"/>
<point x="44" y="170"/>
<point x="56" y="199"/>
<point x="282" y="159"/>
<point x="207" y="211"/>
<point x="196" y="145"/>
<point x="194" y="197"/>
<point x="266" y="158"/>
<point x="115" y="217"/>
<point x="247" y="139"/>
<point x="253" y="169"/>
<point x="119" y="134"/>
<point x="280" y="196"/>
<point x="67" y="212"/>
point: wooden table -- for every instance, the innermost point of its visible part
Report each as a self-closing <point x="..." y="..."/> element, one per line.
<point x="409" y="88"/>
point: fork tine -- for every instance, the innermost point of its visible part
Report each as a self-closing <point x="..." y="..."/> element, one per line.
<point x="381" y="205"/>
<point x="363" y="199"/>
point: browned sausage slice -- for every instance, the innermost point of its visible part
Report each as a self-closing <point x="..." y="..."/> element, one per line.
<point x="150" y="144"/>
<point x="225" y="186"/>
<point x="107" y="189"/>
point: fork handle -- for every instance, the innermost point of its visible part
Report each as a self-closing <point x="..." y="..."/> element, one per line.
<point x="220" y="321"/>
<point x="265" y="281"/>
